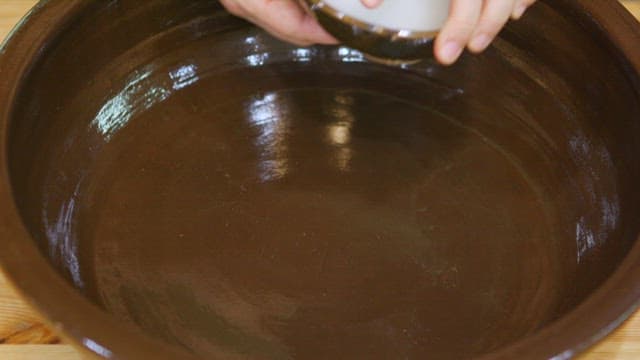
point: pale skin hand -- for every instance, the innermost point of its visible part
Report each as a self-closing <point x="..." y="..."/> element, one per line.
<point x="285" y="19"/>
<point x="472" y="23"/>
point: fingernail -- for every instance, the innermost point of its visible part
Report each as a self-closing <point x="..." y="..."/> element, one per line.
<point x="480" y="42"/>
<point x="519" y="11"/>
<point x="450" y="52"/>
<point x="371" y="3"/>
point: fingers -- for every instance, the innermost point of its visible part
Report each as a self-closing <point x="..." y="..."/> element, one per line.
<point x="371" y="3"/>
<point x="284" y="19"/>
<point x="472" y="24"/>
<point x="520" y="7"/>
<point x="456" y="33"/>
<point x="495" y="14"/>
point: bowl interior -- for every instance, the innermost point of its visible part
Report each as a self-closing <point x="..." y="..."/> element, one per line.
<point x="237" y="196"/>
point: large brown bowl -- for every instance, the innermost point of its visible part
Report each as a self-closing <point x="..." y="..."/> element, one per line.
<point x="176" y="184"/>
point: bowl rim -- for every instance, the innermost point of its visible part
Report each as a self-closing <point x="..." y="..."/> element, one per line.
<point x="393" y="34"/>
<point x="95" y="332"/>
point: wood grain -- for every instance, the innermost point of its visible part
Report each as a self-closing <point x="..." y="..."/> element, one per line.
<point x="10" y="12"/>
<point x="633" y="6"/>
<point x="19" y="324"/>
<point x="15" y="315"/>
<point x="39" y="352"/>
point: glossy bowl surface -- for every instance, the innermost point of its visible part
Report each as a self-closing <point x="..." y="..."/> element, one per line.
<point x="177" y="184"/>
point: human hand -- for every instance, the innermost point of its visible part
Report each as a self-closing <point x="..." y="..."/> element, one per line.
<point x="285" y="19"/>
<point x="472" y="24"/>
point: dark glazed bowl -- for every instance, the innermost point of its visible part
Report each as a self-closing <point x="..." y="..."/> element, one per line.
<point x="176" y="184"/>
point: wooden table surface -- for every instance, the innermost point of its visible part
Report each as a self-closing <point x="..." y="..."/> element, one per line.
<point x="24" y="336"/>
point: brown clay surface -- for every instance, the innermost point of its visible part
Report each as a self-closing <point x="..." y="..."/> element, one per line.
<point x="235" y="196"/>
